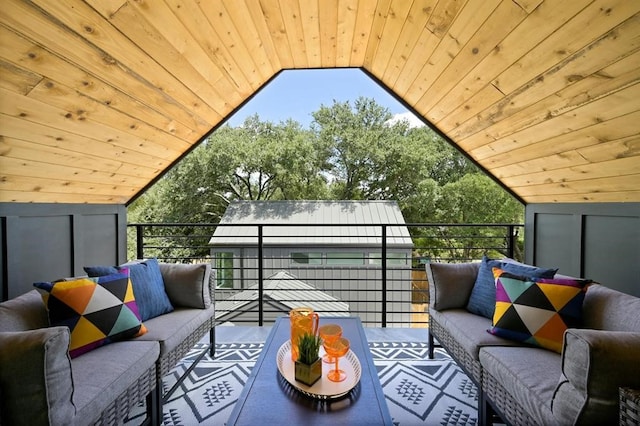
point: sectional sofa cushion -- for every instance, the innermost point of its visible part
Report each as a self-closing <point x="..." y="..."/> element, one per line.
<point x="450" y="284"/>
<point x="595" y="363"/>
<point x="25" y="312"/>
<point x="97" y="310"/>
<point x="104" y="375"/>
<point x="148" y="285"/>
<point x="536" y="310"/>
<point x="483" y="294"/>
<point x="526" y="374"/>
<point x="40" y="359"/>
<point x="187" y="285"/>
<point x="608" y="309"/>
<point x="172" y="330"/>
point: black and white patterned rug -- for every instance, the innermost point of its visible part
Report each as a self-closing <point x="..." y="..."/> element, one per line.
<point x="419" y="391"/>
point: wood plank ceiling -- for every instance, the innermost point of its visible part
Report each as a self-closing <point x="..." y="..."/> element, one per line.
<point x="99" y="97"/>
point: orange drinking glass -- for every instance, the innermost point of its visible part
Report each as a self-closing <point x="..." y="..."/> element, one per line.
<point x="338" y="348"/>
<point x="329" y="333"/>
<point x="303" y="321"/>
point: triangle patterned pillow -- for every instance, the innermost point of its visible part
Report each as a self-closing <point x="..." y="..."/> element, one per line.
<point x="97" y="311"/>
<point x="537" y="311"/>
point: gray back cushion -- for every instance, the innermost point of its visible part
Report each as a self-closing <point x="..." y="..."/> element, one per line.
<point x="450" y="284"/>
<point x="608" y="309"/>
<point x="187" y="285"/>
<point x="25" y="312"/>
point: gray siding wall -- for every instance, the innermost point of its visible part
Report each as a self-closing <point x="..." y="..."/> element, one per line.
<point x="44" y="242"/>
<point x="599" y="241"/>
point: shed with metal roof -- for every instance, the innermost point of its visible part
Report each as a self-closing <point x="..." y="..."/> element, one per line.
<point x="312" y="223"/>
<point x="335" y="246"/>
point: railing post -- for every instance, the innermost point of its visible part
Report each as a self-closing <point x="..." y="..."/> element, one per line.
<point x="511" y="241"/>
<point x="260" y="276"/>
<point x="139" y="242"/>
<point x="384" y="275"/>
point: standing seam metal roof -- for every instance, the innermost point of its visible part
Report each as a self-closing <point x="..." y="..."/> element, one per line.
<point x="327" y="220"/>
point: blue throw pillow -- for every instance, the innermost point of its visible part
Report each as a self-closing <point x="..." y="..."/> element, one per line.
<point x="147" y="282"/>
<point x="483" y="295"/>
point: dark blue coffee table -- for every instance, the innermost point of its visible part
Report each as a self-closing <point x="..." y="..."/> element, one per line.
<point x="268" y="399"/>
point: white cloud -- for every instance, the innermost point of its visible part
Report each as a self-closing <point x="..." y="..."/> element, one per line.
<point x="407" y="116"/>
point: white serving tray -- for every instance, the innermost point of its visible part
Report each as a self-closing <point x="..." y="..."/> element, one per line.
<point x="323" y="388"/>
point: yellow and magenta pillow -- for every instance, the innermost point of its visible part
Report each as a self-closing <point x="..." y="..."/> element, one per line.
<point x="97" y="311"/>
<point x="537" y="311"/>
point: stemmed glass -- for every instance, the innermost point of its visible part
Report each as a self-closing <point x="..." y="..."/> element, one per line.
<point x="329" y="333"/>
<point x="336" y="349"/>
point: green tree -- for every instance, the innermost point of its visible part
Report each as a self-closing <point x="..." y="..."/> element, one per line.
<point x="264" y="161"/>
<point x="355" y="138"/>
<point x="474" y="199"/>
<point x="351" y="152"/>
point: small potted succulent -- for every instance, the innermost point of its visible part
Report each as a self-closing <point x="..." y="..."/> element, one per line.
<point x="308" y="368"/>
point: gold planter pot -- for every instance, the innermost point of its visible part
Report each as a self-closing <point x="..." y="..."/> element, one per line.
<point x="308" y="373"/>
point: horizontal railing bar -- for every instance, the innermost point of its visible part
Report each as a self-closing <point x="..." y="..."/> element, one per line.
<point x="378" y="280"/>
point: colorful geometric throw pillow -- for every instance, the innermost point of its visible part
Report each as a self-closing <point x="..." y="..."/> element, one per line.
<point x="148" y="285"/>
<point x="97" y="311"/>
<point x="537" y="311"/>
<point x="482" y="300"/>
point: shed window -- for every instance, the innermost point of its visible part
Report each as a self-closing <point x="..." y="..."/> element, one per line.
<point x="224" y="269"/>
<point x="345" y="258"/>
<point x="392" y="258"/>
<point x="306" y="258"/>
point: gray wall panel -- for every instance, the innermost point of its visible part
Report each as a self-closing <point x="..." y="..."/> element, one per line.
<point x="40" y="251"/>
<point x="99" y="240"/>
<point x="556" y="244"/>
<point x="610" y="244"/>
<point x="600" y="241"/>
<point x="44" y="242"/>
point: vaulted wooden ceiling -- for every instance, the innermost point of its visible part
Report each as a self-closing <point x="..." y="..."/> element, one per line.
<point x="99" y="97"/>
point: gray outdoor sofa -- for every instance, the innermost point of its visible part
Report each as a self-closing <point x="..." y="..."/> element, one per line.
<point x="527" y="385"/>
<point x="41" y="384"/>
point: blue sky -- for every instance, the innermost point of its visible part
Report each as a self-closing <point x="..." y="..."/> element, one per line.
<point x="297" y="93"/>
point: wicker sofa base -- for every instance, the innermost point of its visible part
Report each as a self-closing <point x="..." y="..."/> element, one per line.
<point x="502" y="403"/>
<point x="629" y="406"/>
<point x="471" y="366"/>
<point x="171" y="358"/>
<point x="130" y="398"/>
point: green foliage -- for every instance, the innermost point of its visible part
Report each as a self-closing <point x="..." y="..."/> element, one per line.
<point x="308" y="348"/>
<point x="350" y="152"/>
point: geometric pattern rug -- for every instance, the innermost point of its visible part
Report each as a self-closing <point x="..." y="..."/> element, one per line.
<point x="418" y="391"/>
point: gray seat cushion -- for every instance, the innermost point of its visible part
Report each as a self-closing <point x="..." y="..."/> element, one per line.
<point x="101" y="375"/>
<point x="171" y="330"/>
<point x="470" y="330"/>
<point x="528" y="374"/>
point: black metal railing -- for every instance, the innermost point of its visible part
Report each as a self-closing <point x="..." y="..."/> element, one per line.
<point x="375" y="271"/>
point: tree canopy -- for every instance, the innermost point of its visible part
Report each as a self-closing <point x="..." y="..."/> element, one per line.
<point x="350" y="152"/>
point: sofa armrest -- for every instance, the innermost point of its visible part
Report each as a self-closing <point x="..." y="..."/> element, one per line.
<point x="595" y="363"/>
<point x="36" y="378"/>
<point x="450" y="284"/>
<point x="187" y="285"/>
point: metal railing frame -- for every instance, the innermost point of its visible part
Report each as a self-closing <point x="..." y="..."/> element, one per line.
<point x="510" y="235"/>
